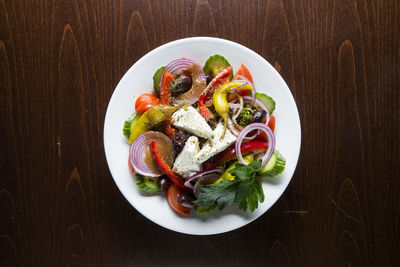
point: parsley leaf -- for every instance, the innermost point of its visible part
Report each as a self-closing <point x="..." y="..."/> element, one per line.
<point x="244" y="190"/>
<point x="244" y="172"/>
<point x="249" y="193"/>
<point x="222" y="194"/>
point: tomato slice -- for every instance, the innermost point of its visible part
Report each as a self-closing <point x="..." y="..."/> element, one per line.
<point x="173" y="194"/>
<point x="271" y="123"/>
<point x="144" y="102"/>
<point x="244" y="71"/>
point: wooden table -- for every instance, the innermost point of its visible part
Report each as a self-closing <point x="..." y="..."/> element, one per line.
<point x="60" y="62"/>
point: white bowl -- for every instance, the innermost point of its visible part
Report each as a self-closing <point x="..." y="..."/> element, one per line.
<point x="138" y="80"/>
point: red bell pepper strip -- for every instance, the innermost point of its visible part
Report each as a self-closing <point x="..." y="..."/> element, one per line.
<point x="165" y="92"/>
<point x="169" y="130"/>
<point x="205" y="98"/>
<point x="175" y="179"/>
<point x="230" y="153"/>
<point x="204" y="111"/>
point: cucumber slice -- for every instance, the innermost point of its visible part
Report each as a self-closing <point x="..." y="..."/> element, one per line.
<point x="274" y="166"/>
<point x="156" y="80"/>
<point x="215" y="64"/>
<point x="145" y="185"/>
<point x="129" y="123"/>
<point x="268" y="102"/>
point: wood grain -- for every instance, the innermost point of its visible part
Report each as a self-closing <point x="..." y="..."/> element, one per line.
<point x="60" y="62"/>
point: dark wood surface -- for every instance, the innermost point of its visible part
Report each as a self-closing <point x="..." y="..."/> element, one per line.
<point x="60" y="61"/>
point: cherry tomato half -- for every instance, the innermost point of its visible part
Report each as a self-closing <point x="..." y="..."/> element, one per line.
<point x="145" y="101"/>
<point x="172" y="197"/>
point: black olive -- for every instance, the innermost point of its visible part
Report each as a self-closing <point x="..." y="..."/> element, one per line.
<point x="179" y="140"/>
<point x="181" y="85"/>
<point x="186" y="200"/>
<point x="258" y="116"/>
<point x="208" y="78"/>
<point x="163" y="183"/>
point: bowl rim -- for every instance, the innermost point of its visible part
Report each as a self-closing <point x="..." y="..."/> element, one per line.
<point x="182" y="42"/>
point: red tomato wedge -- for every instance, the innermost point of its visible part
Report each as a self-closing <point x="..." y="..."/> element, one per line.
<point x="244" y="71"/>
<point x="172" y="198"/>
<point x="144" y="102"/>
<point x="271" y="123"/>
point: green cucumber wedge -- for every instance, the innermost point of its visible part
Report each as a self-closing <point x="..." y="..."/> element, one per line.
<point x="156" y="80"/>
<point x="146" y="185"/>
<point x="215" y="64"/>
<point x="275" y="166"/>
<point x="268" y="102"/>
<point x="129" y="123"/>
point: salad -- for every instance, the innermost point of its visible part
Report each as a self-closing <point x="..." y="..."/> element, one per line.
<point x="205" y="137"/>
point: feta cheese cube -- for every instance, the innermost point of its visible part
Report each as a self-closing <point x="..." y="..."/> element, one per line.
<point x="185" y="163"/>
<point x="216" y="144"/>
<point x="189" y="120"/>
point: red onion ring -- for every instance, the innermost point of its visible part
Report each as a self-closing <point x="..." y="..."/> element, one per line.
<point x="177" y="67"/>
<point x="232" y="126"/>
<point x="252" y="136"/>
<point x="200" y="174"/>
<point x="240" y="85"/>
<point x="240" y="106"/>
<point x="251" y="127"/>
<point x="139" y="153"/>
<point x="234" y="106"/>
<point x="205" y="180"/>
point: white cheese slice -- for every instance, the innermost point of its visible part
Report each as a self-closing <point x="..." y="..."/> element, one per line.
<point x="189" y="120"/>
<point x="185" y="163"/>
<point x="216" y="144"/>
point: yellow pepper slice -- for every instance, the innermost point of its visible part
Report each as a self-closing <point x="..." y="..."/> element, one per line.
<point x="227" y="176"/>
<point x="221" y="103"/>
<point x="150" y="118"/>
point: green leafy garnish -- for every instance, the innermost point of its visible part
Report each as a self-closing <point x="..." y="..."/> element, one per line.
<point x="245" y="190"/>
